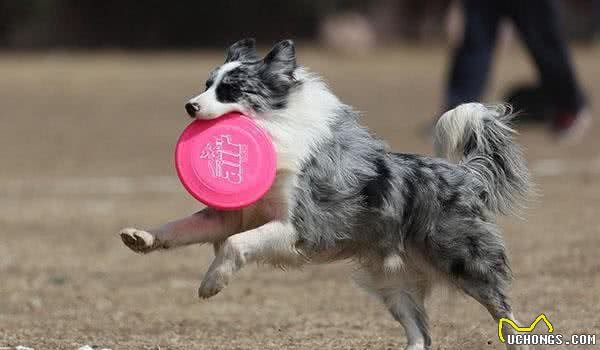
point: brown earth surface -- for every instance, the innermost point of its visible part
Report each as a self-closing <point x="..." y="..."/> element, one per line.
<point x="86" y="148"/>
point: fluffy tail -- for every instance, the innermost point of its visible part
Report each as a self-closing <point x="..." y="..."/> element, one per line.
<point x="480" y="138"/>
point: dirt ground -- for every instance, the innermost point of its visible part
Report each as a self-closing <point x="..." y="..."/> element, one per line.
<point x="86" y="146"/>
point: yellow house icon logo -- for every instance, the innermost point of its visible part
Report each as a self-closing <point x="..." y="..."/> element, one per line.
<point x="529" y="329"/>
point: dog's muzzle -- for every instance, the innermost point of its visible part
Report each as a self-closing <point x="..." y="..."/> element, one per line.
<point x="192" y="108"/>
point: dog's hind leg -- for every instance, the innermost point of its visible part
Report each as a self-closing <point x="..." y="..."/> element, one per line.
<point x="491" y="295"/>
<point x="471" y="253"/>
<point x="473" y="256"/>
<point x="403" y="293"/>
<point x="208" y="225"/>
<point x="273" y="242"/>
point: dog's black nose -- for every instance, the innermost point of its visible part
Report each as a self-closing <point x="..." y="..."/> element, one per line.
<point x="191" y="108"/>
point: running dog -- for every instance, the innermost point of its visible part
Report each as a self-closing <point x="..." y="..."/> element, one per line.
<point x="407" y="221"/>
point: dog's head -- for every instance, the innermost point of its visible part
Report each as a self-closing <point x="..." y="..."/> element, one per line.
<point x="246" y="83"/>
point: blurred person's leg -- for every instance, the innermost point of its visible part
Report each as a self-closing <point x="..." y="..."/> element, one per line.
<point x="471" y="61"/>
<point x="538" y="23"/>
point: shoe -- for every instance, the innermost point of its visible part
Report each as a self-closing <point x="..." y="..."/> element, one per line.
<point x="531" y="104"/>
<point x="570" y="127"/>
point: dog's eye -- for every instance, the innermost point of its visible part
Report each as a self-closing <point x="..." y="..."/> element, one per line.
<point x="228" y="92"/>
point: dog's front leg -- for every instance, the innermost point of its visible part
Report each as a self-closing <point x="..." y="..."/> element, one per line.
<point x="208" y="225"/>
<point x="274" y="243"/>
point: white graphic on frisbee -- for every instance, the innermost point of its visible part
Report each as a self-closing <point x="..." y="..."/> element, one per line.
<point x="226" y="159"/>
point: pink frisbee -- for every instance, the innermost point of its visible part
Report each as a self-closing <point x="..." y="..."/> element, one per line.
<point x="226" y="163"/>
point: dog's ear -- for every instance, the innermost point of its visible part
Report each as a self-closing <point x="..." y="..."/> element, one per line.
<point x="243" y="50"/>
<point x="282" y="58"/>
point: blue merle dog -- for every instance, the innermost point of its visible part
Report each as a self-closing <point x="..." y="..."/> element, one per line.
<point x="408" y="221"/>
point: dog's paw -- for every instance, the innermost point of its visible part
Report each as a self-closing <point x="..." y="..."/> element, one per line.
<point x="417" y="347"/>
<point x="227" y="261"/>
<point x="139" y="241"/>
<point x="212" y="284"/>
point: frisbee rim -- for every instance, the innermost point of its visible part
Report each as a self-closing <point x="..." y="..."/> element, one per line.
<point x="230" y="201"/>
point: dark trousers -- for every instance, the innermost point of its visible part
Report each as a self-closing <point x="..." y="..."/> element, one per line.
<point x="537" y="23"/>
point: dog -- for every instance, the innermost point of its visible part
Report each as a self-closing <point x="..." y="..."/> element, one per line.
<point x="407" y="221"/>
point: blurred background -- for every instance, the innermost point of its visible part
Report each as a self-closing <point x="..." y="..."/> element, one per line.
<point x="88" y="24"/>
<point x="91" y="104"/>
